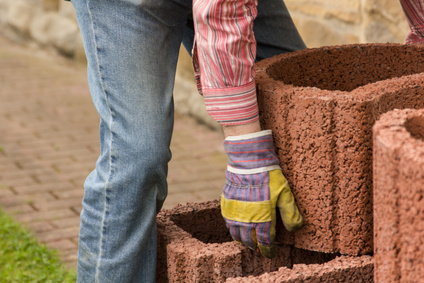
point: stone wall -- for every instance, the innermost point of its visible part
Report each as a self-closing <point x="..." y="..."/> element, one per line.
<point x="331" y="22"/>
<point x="51" y="24"/>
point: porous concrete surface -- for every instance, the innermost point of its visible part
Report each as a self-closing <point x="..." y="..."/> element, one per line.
<point x="346" y="269"/>
<point x="321" y="105"/>
<point x="195" y="246"/>
<point x="49" y="144"/>
<point x="399" y="196"/>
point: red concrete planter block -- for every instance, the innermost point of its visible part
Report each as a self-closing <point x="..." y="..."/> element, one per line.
<point x="399" y="196"/>
<point x="321" y="105"/>
<point x="194" y="246"/>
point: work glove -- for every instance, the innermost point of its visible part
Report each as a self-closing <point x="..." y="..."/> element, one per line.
<point x="255" y="187"/>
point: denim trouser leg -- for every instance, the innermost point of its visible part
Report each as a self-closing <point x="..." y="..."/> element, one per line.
<point x="275" y="31"/>
<point x="132" y="48"/>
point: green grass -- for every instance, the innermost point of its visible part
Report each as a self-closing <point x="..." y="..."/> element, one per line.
<point x="23" y="259"/>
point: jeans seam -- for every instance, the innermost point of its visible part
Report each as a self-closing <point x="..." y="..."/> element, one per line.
<point x="110" y="155"/>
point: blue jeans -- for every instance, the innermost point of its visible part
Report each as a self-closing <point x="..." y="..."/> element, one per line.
<point x="132" y="49"/>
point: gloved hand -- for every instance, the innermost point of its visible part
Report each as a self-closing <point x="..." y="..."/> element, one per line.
<point x="255" y="187"/>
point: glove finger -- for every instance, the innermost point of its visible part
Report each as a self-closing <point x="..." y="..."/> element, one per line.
<point x="248" y="236"/>
<point x="265" y="233"/>
<point x="267" y="251"/>
<point x="234" y="230"/>
<point x="292" y="219"/>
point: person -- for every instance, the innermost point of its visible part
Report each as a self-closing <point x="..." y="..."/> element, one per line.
<point x="414" y="13"/>
<point x="132" y="49"/>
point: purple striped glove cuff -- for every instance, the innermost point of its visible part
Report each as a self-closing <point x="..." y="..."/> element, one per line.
<point x="251" y="153"/>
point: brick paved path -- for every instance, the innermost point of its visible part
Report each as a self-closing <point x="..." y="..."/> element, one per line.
<point x="49" y="144"/>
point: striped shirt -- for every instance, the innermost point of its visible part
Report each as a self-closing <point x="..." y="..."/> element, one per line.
<point x="224" y="55"/>
<point x="414" y="12"/>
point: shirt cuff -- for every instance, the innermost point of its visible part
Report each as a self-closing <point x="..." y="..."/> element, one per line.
<point x="233" y="105"/>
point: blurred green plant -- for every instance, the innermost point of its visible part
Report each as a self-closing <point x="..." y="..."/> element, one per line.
<point x="23" y="259"/>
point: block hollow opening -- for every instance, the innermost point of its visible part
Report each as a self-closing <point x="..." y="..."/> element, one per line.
<point x="415" y="126"/>
<point x="208" y="226"/>
<point x="346" y="68"/>
<point x="205" y="225"/>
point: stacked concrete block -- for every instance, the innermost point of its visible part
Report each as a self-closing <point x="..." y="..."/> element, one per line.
<point x="399" y="196"/>
<point x="321" y="105"/>
<point x="342" y="269"/>
<point x="194" y="246"/>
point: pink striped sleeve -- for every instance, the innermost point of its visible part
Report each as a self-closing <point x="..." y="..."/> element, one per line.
<point x="414" y="13"/>
<point x="224" y="55"/>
